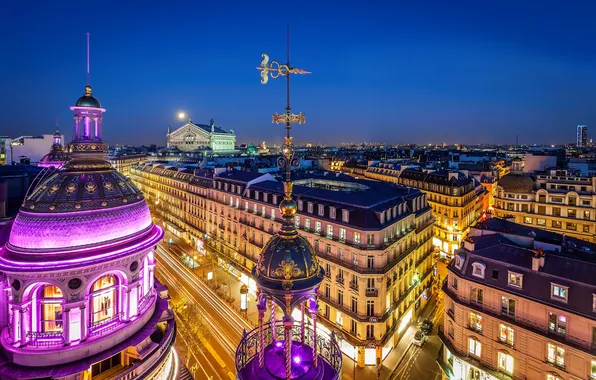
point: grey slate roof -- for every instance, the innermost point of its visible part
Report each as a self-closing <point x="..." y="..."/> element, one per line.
<point x="569" y="269"/>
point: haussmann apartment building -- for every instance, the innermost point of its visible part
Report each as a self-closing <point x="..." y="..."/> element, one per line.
<point x="374" y="241"/>
<point x="520" y="303"/>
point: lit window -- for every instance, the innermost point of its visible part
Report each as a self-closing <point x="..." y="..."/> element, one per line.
<point x="356" y="238"/>
<point x="507" y="306"/>
<point x="478" y="270"/>
<point x="330" y="231"/>
<point x="474" y="346"/>
<point x="515" y="279"/>
<point x="505" y="362"/>
<point x="528" y="220"/>
<point x="318" y="228"/>
<point x="103" y="299"/>
<point x="558" y="292"/>
<point x="339" y="319"/>
<point x="593" y="370"/>
<point x="477" y="296"/>
<point x="555" y="355"/>
<point x="476" y="322"/>
<point x="594" y="302"/>
<point x="506" y="334"/>
<point x="553" y="377"/>
<point x="454" y="283"/>
<point x="557" y="323"/>
<point x="541" y="222"/>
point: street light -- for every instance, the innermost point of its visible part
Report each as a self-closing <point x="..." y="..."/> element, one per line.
<point x="243" y="298"/>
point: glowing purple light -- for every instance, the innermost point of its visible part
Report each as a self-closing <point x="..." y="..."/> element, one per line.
<point x="8" y="265"/>
<point x="297" y="359"/>
<point x="65" y="230"/>
<point x="279" y="344"/>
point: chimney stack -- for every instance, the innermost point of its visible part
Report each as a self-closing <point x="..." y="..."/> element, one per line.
<point x="538" y="259"/>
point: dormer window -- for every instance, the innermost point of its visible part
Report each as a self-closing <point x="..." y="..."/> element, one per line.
<point x="300" y="205"/>
<point x="275" y="198"/>
<point x="332" y="212"/>
<point x="478" y="270"/>
<point x="382" y="217"/>
<point x="310" y="207"/>
<point x="515" y="279"/>
<point x="265" y="196"/>
<point x="559" y="292"/>
<point x="345" y="216"/>
<point x="459" y="261"/>
<point x="321" y="210"/>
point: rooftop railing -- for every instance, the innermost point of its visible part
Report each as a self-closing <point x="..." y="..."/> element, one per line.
<point x="327" y="347"/>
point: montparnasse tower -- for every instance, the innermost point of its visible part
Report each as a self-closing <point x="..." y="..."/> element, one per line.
<point x="288" y="276"/>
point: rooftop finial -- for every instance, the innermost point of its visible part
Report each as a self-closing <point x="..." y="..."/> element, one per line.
<point x="275" y="69"/>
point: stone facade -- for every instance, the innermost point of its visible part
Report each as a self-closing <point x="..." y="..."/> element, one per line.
<point x="377" y="259"/>
<point x="192" y="137"/>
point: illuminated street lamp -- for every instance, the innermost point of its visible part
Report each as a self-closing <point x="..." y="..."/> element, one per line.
<point x="243" y="298"/>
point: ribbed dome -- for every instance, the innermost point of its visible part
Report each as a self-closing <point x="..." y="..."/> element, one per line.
<point x="288" y="260"/>
<point x="55" y="158"/>
<point x="73" y="209"/>
<point x="88" y="100"/>
<point x="517" y="183"/>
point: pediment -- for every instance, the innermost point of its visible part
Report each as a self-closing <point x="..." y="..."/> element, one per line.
<point x="187" y="129"/>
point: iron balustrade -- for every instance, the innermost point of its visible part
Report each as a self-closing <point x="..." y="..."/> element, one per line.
<point x="327" y="347"/>
<point x="45" y="339"/>
<point x="105" y="325"/>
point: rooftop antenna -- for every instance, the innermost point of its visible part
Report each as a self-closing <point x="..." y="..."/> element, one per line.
<point x="88" y="71"/>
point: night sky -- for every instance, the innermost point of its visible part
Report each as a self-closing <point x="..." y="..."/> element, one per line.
<point x="394" y="72"/>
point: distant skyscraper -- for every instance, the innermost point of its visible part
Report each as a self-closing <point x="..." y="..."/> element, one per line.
<point x="582" y="135"/>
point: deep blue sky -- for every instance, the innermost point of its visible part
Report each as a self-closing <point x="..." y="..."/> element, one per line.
<point x="445" y="71"/>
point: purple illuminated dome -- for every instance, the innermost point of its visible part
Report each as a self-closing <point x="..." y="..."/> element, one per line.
<point x="57" y="156"/>
<point x="80" y="298"/>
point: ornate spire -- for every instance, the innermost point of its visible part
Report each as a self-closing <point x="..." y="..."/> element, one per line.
<point x="288" y="159"/>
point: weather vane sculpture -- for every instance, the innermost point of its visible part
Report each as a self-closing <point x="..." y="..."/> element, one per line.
<point x="275" y="69"/>
<point x="288" y="276"/>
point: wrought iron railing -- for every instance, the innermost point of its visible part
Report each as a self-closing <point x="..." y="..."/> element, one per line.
<point x="45" y="339"/>
<point x="105" y="325"/>
<point x="327" y="347"/>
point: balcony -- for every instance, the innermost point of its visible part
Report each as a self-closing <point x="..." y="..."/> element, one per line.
<point x="45" y="339"/>
<point x="557" y="363"/>
<point x="372" y="292"/>
<point x="530" y="325"/>
<point x="476" y="328"/>
<point x="106" y="325"/>
<point x="339" y="280"/>
<point x="354" y="286"/>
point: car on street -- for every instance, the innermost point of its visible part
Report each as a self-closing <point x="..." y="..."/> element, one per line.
<point x="419" y="338"/>
<point x="427" y="327"/>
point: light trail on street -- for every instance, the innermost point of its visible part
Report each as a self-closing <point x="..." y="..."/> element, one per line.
<point x="225" y="323"/>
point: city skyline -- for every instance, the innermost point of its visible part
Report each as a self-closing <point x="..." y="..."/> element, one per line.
<point x="506" y="70"/>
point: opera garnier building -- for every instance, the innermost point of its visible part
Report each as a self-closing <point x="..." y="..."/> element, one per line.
<point x="79" y="297"/>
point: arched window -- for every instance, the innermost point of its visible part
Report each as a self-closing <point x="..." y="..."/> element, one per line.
<point x="50" y="308"/>
<point x="104" y="299"/>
